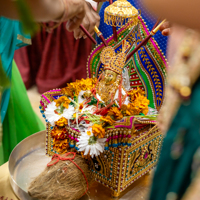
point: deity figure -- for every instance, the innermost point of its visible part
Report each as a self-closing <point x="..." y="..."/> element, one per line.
<point x="110" y="88"/>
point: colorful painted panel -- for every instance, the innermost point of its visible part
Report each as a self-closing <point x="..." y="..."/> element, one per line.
<point x="147" y="67"/>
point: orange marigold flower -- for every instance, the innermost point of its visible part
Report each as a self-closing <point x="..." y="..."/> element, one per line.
<point x="59" y="133"/>
<point x="98" y="130"/>
<point x="108" y="119"/>
<point x="115" y="112"/>
<point x="74" y="88"/>
<point x="134" y="93"/>
<point x="140" y="105"/>
<point x="68" y="91"/>
<point x="61" y="122"/>
<point x="61" y="146"/>
<point x="123" y="109"/>
<point x="87" y="157"/>
<point x="62" y="100"/>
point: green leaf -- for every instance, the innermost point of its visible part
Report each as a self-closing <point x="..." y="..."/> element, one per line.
<point x="29" y="25"/>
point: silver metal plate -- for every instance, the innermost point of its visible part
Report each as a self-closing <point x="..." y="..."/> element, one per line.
<point x="28" y="160"/>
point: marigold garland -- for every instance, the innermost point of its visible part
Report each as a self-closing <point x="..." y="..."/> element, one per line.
<point x="98" y="130"/>
<point x="62" y="100"/>
<point x="140" y="105"/>
<point x="108" y="120"/>
<point x="61" y="146"/>
<point x="134" y="93"/>
<point x="62" y="122"/>
<point x="73" y="89"/>
<point x="115" y="112"/>
<point x="59" y="133"/>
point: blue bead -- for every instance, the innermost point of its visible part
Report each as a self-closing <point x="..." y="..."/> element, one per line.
<point x="46" y="120"/>
<point x="51" y="127"/>
<point x="43" y="116"/>
<point x="40" y="107"/>
<point x="42" y="111"/>
<point x="71" y="145"/>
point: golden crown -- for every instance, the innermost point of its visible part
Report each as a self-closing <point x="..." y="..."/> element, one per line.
<point x="112" y="61"/>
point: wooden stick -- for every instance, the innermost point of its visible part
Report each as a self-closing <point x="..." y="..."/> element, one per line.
<point x="99" y="34"/>
<point x="144" y="42"/>
<point x="88" y="34"/>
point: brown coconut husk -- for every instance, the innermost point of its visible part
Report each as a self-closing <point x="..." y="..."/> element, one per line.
<point x="61" y="181"/>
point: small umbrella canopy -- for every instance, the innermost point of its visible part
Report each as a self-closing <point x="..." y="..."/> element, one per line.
<point x="120" y="13"/>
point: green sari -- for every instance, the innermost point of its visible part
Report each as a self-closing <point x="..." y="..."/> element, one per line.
<point x="18" y="118"/>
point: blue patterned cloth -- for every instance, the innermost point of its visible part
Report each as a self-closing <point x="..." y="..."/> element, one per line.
<point x="147" y="16"/>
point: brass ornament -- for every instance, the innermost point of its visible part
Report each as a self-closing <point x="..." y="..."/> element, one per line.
<point x="120" y="13"/>
<point x="114" y="62"/>
<point x="106" y="54"/>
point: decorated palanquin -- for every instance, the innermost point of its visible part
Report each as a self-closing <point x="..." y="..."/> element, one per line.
<point x="109" y="118"/>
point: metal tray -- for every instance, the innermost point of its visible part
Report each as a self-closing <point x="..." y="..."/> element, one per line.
<point x="28" y="160"/>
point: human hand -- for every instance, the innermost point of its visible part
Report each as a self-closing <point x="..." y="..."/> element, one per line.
<point x="90" y="20"/>
<point x="165" y="28"/>
<point x="75" y="13"/>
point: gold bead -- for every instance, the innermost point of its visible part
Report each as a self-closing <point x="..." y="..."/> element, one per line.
<point x="185" y="91"/>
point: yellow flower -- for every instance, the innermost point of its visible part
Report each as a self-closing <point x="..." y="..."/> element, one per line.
<point x="134" y="93"/>
<point x="68" y="92"/>
<point x="89" y="133"/>
<point x="74" y="115"/>
<point x="123" y="109"/>
<point x="115" y="112"/>
<point x="59" y="133"/>
<point x="62" y="100"/>
<point x="61" y="122"/>
<point x="73" y="89"/>
<point x="140" y="105"/>
<point x="108" y="119"/>
<point x="61" y="146"/>
<point x="98" y="130"/>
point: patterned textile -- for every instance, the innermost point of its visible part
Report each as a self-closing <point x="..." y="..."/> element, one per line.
<point x="147" y="16"/>
<point x="146" y="68"/>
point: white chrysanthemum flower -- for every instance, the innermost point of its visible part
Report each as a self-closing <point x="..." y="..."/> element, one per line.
<point x="89" y="143"/>
<point x="52" y="116"/>
<point x="80" y="96"/>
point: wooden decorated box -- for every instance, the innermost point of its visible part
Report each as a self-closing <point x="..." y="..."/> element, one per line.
<point x="123" y="128"/>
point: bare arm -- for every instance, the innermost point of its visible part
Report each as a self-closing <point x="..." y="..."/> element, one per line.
<point x="42" y="10"/>
<point x="48" y="10"/>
